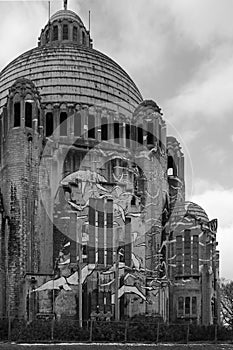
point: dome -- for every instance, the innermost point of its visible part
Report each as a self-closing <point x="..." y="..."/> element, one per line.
<point x="66" y="14"/>
<point x="189" y="209"/>
<point x="71" y="72"/>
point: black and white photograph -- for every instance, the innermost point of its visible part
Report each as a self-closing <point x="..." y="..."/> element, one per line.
<point x="116" y="196"/>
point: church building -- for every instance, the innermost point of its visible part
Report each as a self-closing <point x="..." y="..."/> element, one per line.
<point x="93" y="214"/>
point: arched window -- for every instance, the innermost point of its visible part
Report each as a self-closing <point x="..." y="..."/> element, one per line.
<point x="171" y="166"/>
<point x="160" y="135"/>
<point x="180" y="308"/>
<point x="55" y="33"/>
<point x="91" y="126"/>
<point x="116" y="132"/>
<point x="150" y="133"/>
<point x="133" y="200"/>
<point x="75" y="34"/>
<point x="133" y="132"/>
<point x="140" y="134"/>
<point x="187" y="252"/>
<point x="179" y="255"/>
<point x="195" y="267"/>
<point x="28" y="115"/>
<point x="49" y="124"/>
<point x="104" y="128"/>
<point x="127" y="132"/>
<point x="65" y="32"/>
<point x="17" y="114"/>
<point x="77" y="125"/>
<point x="47" y="36"/>
<point x="187" y="306"/>
<point x="83" y="38"/>
<point x="194" y="305"/>
<point x="63" y="124"/>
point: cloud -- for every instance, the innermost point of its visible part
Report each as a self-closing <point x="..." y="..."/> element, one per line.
<point x="208" y="94"/>
<point x="20" y="29"/>
<point x="202" y="22"/>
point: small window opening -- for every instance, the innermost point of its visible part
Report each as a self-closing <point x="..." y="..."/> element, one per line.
<point x="91" y="126"/>
<point x="63" y="124"/>
<point x="75" y="34"/>
<point x="104" y="128"/>
<point x="83" y="38"/>
<point x="127" y="132"/>
<point x="47" y="36"/>
<point x="55" y="33"/>
<point x="49" y="124"/>
<point x="160" y="136"/>
<point x="172" y="171"/>
<point x="180" y="306"/>
<point x="65" y="32"/>
<point x="133" y="200"/>
<point x="116" y="132"/>
<point x="133" y="132"/>
<point x="17" y="116"/>
<point x="28" y="114"/>
<point x="187" y="306"/>
<point x="77" y="125"/>
<point x="140" y="134"/>
<point x="150" y="135"/>
<point x="194" y="305"/>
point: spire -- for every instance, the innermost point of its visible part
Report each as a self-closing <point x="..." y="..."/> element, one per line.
<point x="65" y="4"/>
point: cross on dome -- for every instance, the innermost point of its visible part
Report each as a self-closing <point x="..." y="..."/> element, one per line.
<point x="65" y="4"/>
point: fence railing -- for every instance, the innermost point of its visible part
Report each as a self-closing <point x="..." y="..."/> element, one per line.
<point x="109" y="331"/>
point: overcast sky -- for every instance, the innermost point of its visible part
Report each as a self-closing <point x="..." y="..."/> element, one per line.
<point x="180" y="54"/>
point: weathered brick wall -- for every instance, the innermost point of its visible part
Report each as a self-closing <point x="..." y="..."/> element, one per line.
<point x="19" y="184"/>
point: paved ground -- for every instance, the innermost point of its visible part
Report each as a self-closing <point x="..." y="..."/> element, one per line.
<point x="97" y="346"/>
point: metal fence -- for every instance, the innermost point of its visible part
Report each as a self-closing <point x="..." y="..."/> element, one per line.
<point x="102" y="331"/>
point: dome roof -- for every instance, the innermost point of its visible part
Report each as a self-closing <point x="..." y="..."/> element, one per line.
<point x="189" y="209"/>
<point x="65" y="72"/>
<point x="66" y="14"/>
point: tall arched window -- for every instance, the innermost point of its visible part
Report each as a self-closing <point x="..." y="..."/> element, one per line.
<point x="194" y="305"/>
<point x="77" y="125"/>
<point x="83" y="38"/>
<point x="116" y="132"/>
<point x="63" y="124"/>
<point x="28" y="115"/>
<point x="187" y="306"/>
<point x="49" y="124"/>
<point x="17" y="114"/>
<point x="65" y="32"/>
<point x="160" y="135"/>
<point x="55" y="33"/>
<point x="180" y="307"/>
<point x="75" y="34"/>
<point x="140" y="134"/>
<point x="104" y="128"/>
<point x="127" y="132"/>
<point x="47" y="36"/>
<point x="150" y="134"/>
<point x="171" y="166"/>
<point x="91" y="126"/>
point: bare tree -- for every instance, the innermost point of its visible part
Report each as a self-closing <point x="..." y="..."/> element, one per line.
<point x="226" y="290"/>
